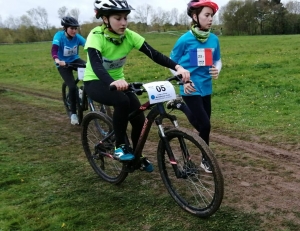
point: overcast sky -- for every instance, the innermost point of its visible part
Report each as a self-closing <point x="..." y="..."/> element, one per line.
<point x="17" y="8"/>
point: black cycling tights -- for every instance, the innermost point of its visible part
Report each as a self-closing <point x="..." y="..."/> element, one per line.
<point x="123" y="104"/>
<point x="198" y="112"/>
<point x="68" y="77"/>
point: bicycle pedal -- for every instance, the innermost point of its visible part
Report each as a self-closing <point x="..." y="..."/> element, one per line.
<point x="129" y="168"/>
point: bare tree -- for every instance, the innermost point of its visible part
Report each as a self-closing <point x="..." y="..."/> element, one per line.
<point x="12" y="23"/>
<point x="39" y="17"/>
<point x="293" y="7"/>
<point x="75" y="13"/>
<point x="159" y="16"/>
<point x="174" y="15"/>
<point x="25" y="21"/>
<point x="141" y="16"/>
<point x="155" y="20"/>
<point x="184" y="19"/>
<point x="167" y="17"/>
<point x="142" y="13"/>
<point x="62" y="12"/>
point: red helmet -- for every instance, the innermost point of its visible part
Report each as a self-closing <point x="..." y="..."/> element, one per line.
<point x="194" y="4"/>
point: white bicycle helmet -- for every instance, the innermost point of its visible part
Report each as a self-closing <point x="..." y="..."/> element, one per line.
<point x="107" y="7"/>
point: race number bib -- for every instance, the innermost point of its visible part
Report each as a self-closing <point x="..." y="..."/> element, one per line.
<point x="80" y="72"/>
<point x="201" y="57"/>
<point x="68" y="51"/>
<point x="113" y="64"/>
<point x="160" y="91"/>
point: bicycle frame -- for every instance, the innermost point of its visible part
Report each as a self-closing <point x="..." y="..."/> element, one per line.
<point x="156" y="114"/>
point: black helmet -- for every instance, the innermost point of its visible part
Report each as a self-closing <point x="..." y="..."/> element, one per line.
<point x="107" y="7"/>
<point x="69" y="21"/>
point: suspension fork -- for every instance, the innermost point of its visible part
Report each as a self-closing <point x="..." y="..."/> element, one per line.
<point x="166" y="142"/>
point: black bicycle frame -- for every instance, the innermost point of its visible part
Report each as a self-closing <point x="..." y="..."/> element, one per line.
<point x="156" y="114"/>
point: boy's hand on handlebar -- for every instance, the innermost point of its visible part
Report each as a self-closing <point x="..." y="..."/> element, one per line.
<point x="120" y="84"/>
<point x="185" y="74"/>
<point x="60" y="63"/>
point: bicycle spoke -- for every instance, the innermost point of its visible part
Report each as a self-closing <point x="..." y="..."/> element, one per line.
<point x="196" y="191"/>
<point x="96" y="126"/>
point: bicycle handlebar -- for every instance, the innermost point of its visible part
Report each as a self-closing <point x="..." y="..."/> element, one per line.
<point x="135" y="87"/>
<point x="73" y="65"/>
<point x="175" y="77"/>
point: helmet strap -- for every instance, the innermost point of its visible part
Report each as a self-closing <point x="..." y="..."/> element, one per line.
<point x="111" y="36"/>
<point x="67" y="34"/>
<point x="196" y="22"/>
<point x="107" y="25"/>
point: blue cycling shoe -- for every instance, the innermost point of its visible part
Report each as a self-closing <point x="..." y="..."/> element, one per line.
<point x="122" y="155"/>
<point x="146" y="165"/>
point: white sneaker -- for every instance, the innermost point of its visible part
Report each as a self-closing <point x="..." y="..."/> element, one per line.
<point x="175" y="103"/>
<point x="205" y="165"/>
<point x="74" y="119"/>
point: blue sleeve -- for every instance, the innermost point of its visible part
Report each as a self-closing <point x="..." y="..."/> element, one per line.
<point x="177" y="51"/>
<point x="81" y="40"/>
<point x="56" y="39"/>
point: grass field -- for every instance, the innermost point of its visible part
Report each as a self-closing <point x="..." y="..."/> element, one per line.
<point x="46" y="182"/>
<point x="258" y="88"/>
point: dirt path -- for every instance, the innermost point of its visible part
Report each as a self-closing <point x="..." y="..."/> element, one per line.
<point x="261" y="178"/>
<point x="258" y="178"/>
<point x="256" y="148"/>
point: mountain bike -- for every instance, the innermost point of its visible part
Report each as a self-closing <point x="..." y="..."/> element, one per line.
<point x="83" y="102"/>
<point x="179" y="154"/>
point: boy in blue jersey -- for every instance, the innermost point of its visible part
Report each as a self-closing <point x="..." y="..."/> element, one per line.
<point x="198" y="51"/>
<point x="65" y="49"/>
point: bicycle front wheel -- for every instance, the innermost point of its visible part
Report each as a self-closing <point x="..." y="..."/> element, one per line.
<point x="65" y="98"/>
<point x="95" y="127"/>
<point x="194" y="190"/>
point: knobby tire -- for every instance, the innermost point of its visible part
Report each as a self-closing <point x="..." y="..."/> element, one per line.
<point x="95" y="126"/>
<point x="197" y="192"/>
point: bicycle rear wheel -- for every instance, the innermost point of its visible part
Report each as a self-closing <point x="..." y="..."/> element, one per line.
<point x="195" y="191"/>
<point x="95" y="127"/>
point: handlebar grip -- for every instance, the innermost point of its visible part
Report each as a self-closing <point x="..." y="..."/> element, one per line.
<point x="179" y="76"/>
<point x="112" y="88"/>
<point x="175" y="77"/>
<point x="72" y="65"/>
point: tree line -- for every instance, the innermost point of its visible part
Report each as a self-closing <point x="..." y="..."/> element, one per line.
<point x="260" y="17"/>
<point x="237" y="17"/>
